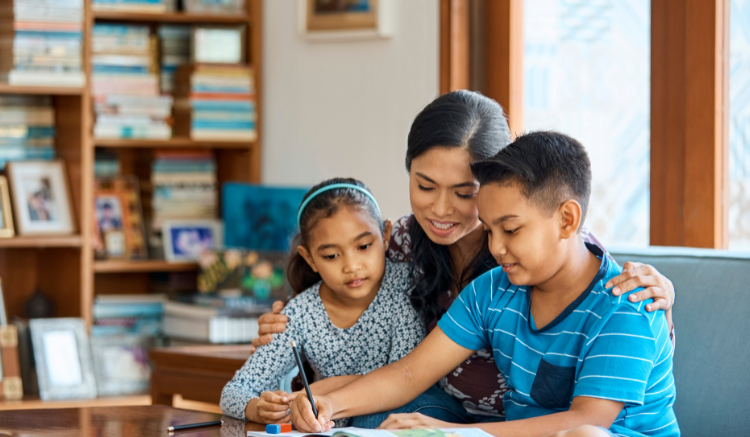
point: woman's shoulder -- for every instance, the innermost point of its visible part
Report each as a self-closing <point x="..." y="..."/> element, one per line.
<point x="399" y="247"/>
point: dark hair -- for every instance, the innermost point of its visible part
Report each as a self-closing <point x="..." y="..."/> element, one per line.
<point x="299" y="274"/>
<point x="459" y="119"/>
<point x="550" y="168"/>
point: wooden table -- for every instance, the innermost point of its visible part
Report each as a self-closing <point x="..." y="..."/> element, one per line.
<point x="198" y="373"/>
<point x="116" y="422"/>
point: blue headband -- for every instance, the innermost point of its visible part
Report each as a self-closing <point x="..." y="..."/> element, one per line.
<point x="333" y="187"/>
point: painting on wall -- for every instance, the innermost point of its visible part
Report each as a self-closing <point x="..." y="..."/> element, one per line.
<point x="346" y="19"/>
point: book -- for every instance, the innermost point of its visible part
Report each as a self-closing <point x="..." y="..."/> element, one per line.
<point x="214" y="330"/>
<point x="361" y="432"/>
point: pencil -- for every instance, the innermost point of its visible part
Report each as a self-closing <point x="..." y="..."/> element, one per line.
<point x="194" y="425"/>
<point x="304" y="378"/>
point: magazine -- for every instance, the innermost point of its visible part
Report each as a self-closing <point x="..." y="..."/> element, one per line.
<point x="362" y="432"/>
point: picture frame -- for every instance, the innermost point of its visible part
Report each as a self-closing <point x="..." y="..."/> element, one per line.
<point x="119" y="229"/>
<point x="218" y="44"/>
<point x="6" y="213"/>
<point x="186" y="240"/>
<point x="331" y="20"/>
<point x="63" y="359"/>
<point x="11" y="386"/>
<point x="121" y="364"/>
<point x="41" y="199"/>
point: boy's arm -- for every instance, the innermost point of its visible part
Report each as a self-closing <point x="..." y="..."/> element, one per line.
<point x="386" y="388"/>
<point x="325" y="386"/>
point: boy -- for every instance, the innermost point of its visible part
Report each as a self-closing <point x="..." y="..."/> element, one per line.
<point x="575" y="357"/>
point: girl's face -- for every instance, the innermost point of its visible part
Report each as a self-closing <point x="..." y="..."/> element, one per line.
<point x="347" y="249"/>
<point x="443" y="194"/>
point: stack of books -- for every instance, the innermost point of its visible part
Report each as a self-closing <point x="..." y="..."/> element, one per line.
<point x="145" y="6"/>
<point x="46" y="39"/>
<point x="27" y="128"/>
<point x="125" y="314"/>
<point x="215" y="102"/>
<point x="202" y="324"/>
<point x="175" y="51"/>
<point x="126" y="84"/>
<point x="184" y="186"/>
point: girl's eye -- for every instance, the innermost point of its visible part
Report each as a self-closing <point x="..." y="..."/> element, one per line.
<point x="465" y="196"/>
<point x="511" y="231"/>
<point x="334" y="256"/>
<point x="365" y="246"/>
<point x="423" y="188"/>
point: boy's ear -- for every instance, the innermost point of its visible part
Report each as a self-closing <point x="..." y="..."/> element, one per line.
<point x="304" y="253"/>
<point x="387" y="229"/>
<point x="570" y="218"/>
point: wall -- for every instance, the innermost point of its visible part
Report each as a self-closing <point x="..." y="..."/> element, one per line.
<point x="344" y="108"/>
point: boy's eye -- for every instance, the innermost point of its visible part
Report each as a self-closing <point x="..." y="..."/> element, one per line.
<point x="334" y="256"/>
<point x="365" y="246"/>
<point x="465" y="196"/>
<point x="423" y="188"/>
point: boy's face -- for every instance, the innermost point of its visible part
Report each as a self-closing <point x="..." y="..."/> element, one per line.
<point x="522" y="238"/>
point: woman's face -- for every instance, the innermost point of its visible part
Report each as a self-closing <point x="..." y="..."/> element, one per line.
<point x="443" y="194"/>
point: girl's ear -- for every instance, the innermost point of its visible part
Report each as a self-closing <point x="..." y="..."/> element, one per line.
<point x="570" y="218"/>
<point x="387" y="228"/>
<point x="304" y="253"/>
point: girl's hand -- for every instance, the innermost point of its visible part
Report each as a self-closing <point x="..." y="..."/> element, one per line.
<point x="270" y="323"/>
<point x="271" y="407"/>
<point x="303" y="417"/>
<point x="413" y="420"/>
<point x="655" y="286"/>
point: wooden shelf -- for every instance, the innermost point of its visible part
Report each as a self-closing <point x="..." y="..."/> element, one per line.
<point x="180" y="143"/>
<point x="170" y="17"/>
<point x="36" y="403"/>
<point x="6" y="88"/>
<point x="127" y="266"/>
<point x="42" y="241"/>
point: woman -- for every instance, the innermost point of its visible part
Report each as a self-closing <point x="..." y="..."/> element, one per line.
<point x="444" y="241"/>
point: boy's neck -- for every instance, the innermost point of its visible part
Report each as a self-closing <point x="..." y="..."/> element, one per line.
<point x="550" y="298"/>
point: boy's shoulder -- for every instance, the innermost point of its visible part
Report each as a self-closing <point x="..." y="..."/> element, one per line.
<point x="609" y="301"/>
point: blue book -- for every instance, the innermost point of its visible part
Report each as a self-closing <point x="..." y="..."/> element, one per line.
<point x="119" y="29"/>
<point x="115" y="310"/>
<point x="220" y="89"/>
<point x="222" y="124"/>
<point x="120" y="69"/>
<point x="30" y="132"/>
<point x="222" y="105"/>
<point x="57" y="34"/>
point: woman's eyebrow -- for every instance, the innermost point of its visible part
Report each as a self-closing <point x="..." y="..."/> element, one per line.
<point x="461" y="185"/>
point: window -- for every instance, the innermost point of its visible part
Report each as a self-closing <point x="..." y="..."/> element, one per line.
<point x="586" y="74"/>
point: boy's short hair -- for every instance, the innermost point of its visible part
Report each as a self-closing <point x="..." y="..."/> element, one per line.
<point x="550" y="168"/>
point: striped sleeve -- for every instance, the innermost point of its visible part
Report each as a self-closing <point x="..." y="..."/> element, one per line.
<point x="463" y="322"/>
<point x="619" y="359"/>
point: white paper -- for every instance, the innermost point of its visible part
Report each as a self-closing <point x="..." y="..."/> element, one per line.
<point x="61" y="353"/>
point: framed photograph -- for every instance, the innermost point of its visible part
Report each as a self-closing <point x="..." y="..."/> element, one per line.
<point x="63" y="360"/>
<point x="346" y="19"/>
<point x="118" y="219"/>
<point x="121" y="364"/>
<point x="218" y="44"/>
<point x="6" y="216"/>
<point x="11" y="387"/>
<point x="186" y="240"/>
<point x="41" y="202"/>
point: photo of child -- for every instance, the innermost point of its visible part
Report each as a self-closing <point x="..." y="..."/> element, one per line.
<point x="109" y="213"/>
<point x="39" y="199"/>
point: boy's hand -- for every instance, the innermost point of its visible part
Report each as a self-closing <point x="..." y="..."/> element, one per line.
<point x="413" y="420"/>
<point x="655" y="285"/>
<point x="269" y="324"/>
<point x="304" y="419"/>
<point x="271" y="407"/>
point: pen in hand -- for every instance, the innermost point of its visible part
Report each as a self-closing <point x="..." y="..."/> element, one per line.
<point x="304" y="378"/>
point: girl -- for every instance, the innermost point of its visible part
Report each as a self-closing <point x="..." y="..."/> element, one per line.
<point x="444" y="241"/>
<point x="351" y="312"/>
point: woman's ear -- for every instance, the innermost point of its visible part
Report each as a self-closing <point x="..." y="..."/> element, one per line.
<point x="570" y="218"/>
<point x="387" y="228"/>
<point x="304" y="253"/>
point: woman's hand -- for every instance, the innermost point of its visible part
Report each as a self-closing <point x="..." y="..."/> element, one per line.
<point x="270" y="407"/>
<point x="269" y="324"/>
<point x="655" y="285"/>
<point x="304" y="419"/>
<point x="413" y="420"/>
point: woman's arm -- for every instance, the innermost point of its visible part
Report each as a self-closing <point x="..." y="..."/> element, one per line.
<point x="269" y="324"/>
<point x="386" y="388"/>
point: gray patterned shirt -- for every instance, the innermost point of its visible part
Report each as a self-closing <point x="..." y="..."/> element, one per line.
<point x="388" y="330"/>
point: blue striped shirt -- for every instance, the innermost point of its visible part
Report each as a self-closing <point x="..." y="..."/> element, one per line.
<point x="601" y="346"/>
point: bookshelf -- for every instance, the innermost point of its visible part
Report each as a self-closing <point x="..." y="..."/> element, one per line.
<point x="63" y="267"/>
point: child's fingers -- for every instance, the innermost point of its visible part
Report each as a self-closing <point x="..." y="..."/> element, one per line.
<point x="274" y="417"/>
